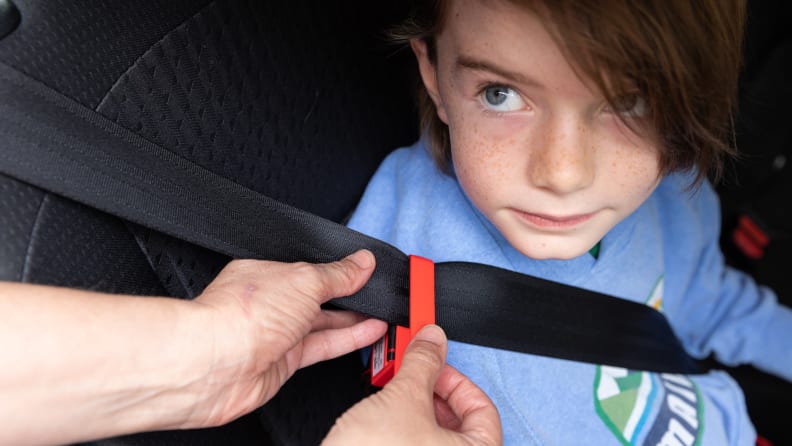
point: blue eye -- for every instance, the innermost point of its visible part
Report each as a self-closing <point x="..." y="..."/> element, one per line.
<point x="502" y="99"/>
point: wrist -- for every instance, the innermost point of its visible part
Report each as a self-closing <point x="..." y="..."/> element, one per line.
<point x="218" y="353"/>
<point x="162" y="381"/>
<point x="167" y="367"/>
<point x="195" y="362"/>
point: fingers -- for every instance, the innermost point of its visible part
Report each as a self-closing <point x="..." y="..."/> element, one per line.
<point x="346" y="276"/>
<point x="468" y="403"/>
<point x="317" y="283"/>
<point x="423" y="360"/>
<point x="332" y="343"/>
<point x="468" y="410"/>
<point x="336" y="319"/>
<point x="407" y="403"/>
<point x="445" y="416"/>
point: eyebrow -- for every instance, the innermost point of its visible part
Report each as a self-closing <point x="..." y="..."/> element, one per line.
<point x="471" y="63"/>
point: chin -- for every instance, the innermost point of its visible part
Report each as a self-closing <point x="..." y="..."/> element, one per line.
<point x="550" y="256"/>
<point x="552" y="251"/>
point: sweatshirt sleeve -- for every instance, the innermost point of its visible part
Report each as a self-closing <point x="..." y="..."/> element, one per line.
<point x="723" y="310"/>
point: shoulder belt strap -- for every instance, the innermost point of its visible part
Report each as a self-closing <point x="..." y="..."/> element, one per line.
<point x="50" y="141"/>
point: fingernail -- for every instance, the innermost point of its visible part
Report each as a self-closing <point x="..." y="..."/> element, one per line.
<point x="364" y="259"/>
<point x="433" y="334"/>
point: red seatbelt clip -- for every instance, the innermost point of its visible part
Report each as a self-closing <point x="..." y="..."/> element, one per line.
<point x="387" y="353"/>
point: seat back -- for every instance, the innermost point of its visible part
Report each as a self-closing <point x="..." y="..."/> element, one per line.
<point x="298" y="100"/>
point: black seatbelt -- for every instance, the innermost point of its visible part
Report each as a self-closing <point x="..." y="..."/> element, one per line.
<point x="50" y="141"/>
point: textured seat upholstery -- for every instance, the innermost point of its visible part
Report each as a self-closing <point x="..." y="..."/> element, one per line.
<point x="298" y="100"/>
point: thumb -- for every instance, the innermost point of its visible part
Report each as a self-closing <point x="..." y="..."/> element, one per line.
<point x="344" y="277"/>
<point x="424" y="359"/>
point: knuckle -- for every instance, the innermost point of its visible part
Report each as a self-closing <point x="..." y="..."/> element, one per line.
<point x="329" y="278"/>
<point x="241" y="265"/>
<point x="426" y="353"/>
<point x="308" y="277"/>
<point x="346" y="275"/>
<point x="303" y="268"/>
<point x="305" y="272"/>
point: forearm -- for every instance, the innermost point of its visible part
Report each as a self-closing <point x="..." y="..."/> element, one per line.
<point x="77" y="365"/>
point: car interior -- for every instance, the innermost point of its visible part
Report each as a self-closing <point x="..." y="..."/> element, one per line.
<point x="300" y="101"/>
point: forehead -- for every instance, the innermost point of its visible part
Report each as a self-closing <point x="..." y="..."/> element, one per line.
<point x="481" y="20"/>
<point x="510" y="36"/>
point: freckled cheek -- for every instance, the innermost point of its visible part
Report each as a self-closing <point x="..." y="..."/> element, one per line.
<point x="646" y="169"/>
<point x="481" y="168"/>
<point x="482" y="151"/>
<point x="481" y="139"/>
<point x="637" y="170"/>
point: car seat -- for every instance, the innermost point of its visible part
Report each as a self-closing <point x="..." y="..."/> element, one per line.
<point x="297" y="100"/>
<point x="756" y="191"/>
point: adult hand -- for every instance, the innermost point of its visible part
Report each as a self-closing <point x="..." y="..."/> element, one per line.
<point x="123" y="364"/>
<point x="427" y="402"/>
<point x="268" y="324"/>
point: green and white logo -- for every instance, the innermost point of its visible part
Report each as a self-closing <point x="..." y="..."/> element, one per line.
<point x="623" y="398"/>
<point x="644" y="408"/>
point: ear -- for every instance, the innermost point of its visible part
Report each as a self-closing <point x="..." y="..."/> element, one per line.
<point x="428" y="71"/>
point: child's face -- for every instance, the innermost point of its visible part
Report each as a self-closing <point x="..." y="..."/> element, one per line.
<point x="534" y="147"/>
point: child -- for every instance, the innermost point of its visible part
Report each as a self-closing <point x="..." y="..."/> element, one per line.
<point x="571" y="140"/>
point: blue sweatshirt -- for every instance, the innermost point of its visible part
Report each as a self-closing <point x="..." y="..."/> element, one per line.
<point x="665" y="254"/>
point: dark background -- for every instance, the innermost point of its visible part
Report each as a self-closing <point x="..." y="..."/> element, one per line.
<point x="759" y="186"/>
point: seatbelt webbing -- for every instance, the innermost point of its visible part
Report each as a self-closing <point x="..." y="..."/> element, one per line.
<point x="50" y="141"/>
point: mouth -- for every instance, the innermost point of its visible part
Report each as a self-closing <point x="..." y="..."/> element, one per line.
<point x="545" y="221"/>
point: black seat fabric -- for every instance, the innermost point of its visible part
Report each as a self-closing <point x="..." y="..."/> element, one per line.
<point x="298" y="100"/>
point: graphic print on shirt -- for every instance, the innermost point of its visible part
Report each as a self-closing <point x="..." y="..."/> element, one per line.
<point x="644" y="408"/>
<point x="656" y="297"/>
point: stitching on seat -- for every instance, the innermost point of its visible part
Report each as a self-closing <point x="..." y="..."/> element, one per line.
<point x="28" y="253"/>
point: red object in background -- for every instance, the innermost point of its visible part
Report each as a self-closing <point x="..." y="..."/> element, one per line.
<point x="750" y="238"/>
<point x="761" y="441"/>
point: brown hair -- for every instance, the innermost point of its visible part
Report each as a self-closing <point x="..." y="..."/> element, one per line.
<point x="682" y="56"/>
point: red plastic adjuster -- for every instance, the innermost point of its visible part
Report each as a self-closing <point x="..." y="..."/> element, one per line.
<point x="387" y="353"/>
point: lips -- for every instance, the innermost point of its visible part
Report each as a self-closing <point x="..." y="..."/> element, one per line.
<point x="554" y="221"/>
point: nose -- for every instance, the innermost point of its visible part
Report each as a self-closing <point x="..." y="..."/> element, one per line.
<point x="562" y="157"/>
